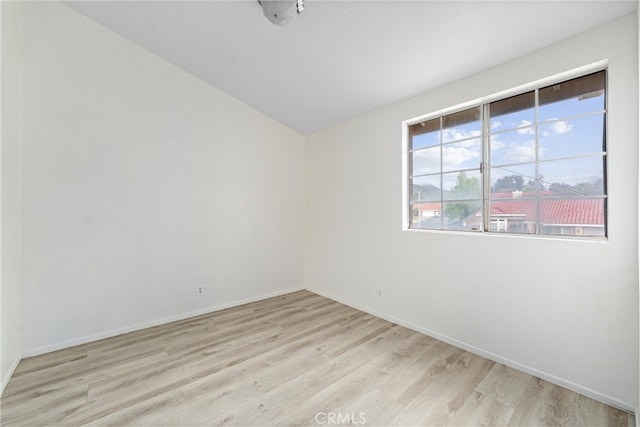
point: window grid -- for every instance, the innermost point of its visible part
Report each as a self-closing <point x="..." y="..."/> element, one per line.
<point x="541" y="194"/>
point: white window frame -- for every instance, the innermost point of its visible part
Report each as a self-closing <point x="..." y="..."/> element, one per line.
<point x="406" y="148"/>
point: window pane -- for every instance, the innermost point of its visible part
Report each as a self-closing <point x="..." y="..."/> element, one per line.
<point x="462" y="185"/>
<point x="425" y="134"/>
<point x="462" y="125"/>
<point x="517" y="111"/>
<point x="426" y="126"/>
<point x="577" y="96"/>
<point x="462" y="155"/>
<point x="513" y="147"/>
<point x="578" y="177"/>
<point x="426" y="188"/>
<point x="545" y="164"/>
<point x="425" y="140"/>
<point x="426" y="215"/>
<point x="513" y="216"/>
<point x="463" y="215"/>
<point x="514" y="181"/>
<point x="572" y="217"/>
<point x="572" y="137"/>
<point x="426" y="161"/>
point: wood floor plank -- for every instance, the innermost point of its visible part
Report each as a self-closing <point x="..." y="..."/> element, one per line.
<point x="451" y="382"/>
<point x="23" y="412"/>
<point x="315" y="377"/>
<point x="295" y="359"/>
<point x="259" y="387"/>
<point x="221" y="390"/>
<point x="154" y="380"/>
<point x="505" y="385"/>
<point x="85" y="371"/>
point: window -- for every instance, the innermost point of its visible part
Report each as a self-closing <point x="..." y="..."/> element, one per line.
<point x="533" y="163"/>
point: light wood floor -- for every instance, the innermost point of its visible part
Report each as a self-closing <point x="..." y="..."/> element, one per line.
<point x="299" y="359"/>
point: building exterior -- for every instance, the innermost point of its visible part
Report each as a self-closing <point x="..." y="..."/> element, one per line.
<point x="516" y="212"/>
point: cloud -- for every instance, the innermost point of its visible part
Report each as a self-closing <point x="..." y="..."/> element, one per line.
<point x="527" y="129"/>
<point x="455" y="157"/>
<point x="521" y="152"/>
<point x="496" y="125"/>
<point x="455" y="134"/>
<point x="558" y="127"/>
<point x="426" y="161"/>
<point x="496" y="144"/>
<point x="561" y="127"/>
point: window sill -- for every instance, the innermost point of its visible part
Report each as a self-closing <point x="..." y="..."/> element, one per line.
<point x="494" y="235"/>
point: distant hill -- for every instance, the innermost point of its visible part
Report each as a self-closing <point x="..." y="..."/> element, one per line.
<point x="427" y="192"/>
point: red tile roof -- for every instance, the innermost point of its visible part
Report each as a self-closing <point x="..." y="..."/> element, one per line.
<point x="430" y="206"/>
<point x="552" y="211"/>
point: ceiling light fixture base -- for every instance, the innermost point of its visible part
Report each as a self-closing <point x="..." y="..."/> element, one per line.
<point x="281" y="12"/>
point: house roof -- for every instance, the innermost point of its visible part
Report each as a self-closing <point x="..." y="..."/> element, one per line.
<point x="552" y="211"/>
<point x="430" y="206"/>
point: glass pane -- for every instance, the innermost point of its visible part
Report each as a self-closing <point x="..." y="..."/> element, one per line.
<point x="513" y="216"/>
<point x="461" y="125"/>
<point x="425" y="134"/>
<point x="514" y="181"/>
<point x="462" y="155"/>
<point x="517" y="111"/>
<point x="425" y="140"/>
<point x="577" y="96"/>
<point x="463" y="215"/>
<point x="462" y="185"/>
<point x="577" y="177"/>
<point x="426" y="161"/>
<point x="572" y="137"/>
<point x="572" y="217"/>
<point x="513" y="147"/>
<point x="426" y="215"/>
<point x="426" y="188"/>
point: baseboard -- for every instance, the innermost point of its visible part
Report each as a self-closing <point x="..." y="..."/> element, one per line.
<point x="625" y="406"/>
<point x="114" y="332"/>
<point x="9" y="374"/>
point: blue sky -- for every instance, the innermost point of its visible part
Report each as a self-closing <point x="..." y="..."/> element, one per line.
<point x="513" y="142"/>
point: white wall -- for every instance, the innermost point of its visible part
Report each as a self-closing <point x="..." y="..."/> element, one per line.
<point x="564" y="310"/>
<point x="141" y="182"/>
<point x="10" y="338"/>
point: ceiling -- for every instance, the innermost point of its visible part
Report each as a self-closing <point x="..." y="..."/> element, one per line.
<point x="340" y="59"/>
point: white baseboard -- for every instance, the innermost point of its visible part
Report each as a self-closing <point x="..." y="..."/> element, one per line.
<point x="9" y="374"/>
<point x="595" y="395"/>
<point x="114" y="332"/>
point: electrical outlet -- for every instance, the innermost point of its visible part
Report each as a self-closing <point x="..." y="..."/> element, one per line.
<point x="379" y="292"/>
<point x="200" y="290"/>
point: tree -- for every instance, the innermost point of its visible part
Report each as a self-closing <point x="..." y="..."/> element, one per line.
<point x="509" y="183"/>
<point x="582" y="188"/>
<point x="465" y="188"/>
<point x="533" y="185"/>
